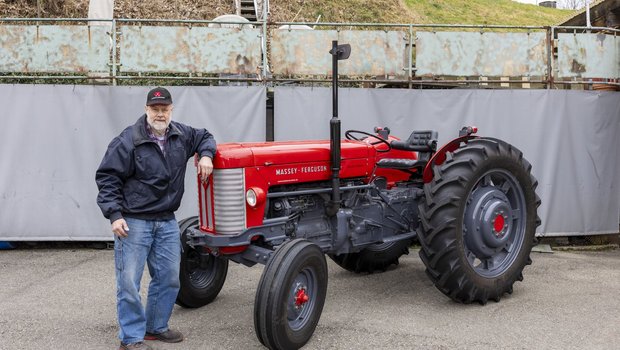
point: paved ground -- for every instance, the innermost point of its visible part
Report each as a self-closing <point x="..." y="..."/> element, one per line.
<point x="64" y="299"/>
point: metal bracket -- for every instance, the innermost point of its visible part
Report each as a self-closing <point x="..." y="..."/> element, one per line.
<point x="253" y="255"/>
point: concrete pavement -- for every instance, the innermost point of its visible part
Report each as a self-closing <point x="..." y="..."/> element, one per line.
<point x="65" y="299"/>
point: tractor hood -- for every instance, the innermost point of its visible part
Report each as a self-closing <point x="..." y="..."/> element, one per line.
<point x="239" y="155"/>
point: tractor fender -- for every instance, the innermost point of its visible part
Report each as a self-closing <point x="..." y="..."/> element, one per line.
<point x="440" y="156"/>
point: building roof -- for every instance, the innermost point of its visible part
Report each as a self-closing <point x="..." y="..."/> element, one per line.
<point x="603" y="13"/>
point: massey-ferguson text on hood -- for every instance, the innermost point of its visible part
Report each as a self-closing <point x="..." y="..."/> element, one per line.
<point x="238" y="155"/>
<point x="285" y="162"/>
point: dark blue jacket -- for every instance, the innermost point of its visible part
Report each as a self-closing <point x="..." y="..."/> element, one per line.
<point x="136" y="180"/>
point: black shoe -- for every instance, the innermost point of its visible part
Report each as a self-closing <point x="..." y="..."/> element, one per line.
<point x="169" y="336"/>
<point x="135" y="346"/>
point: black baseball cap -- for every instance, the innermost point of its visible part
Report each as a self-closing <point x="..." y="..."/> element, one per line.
<point x="158" y="96"/>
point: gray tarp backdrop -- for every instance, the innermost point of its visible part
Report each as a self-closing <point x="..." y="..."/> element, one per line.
<point x="571" y="138"/>
<point x="53" y="138"/>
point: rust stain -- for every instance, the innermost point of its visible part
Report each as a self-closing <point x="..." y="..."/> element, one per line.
<point x="244" y="64"/>
<point x="183" y="49"/>
<point x="577" y="67"/>
<point x="69" y="58"/>
<point x="296" y="63"/>
<point x="478" y="63"/>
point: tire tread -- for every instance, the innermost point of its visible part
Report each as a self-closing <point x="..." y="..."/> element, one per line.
<point x="439" y="220"/>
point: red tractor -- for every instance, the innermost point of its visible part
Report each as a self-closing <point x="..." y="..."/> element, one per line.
<point x="471" y="204"/>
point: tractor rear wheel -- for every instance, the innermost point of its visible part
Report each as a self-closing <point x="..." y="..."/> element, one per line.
<point x="377" y="257"/>
<point x="478" y="221"/>
<point x="290" y="295"/>
<point x="201" y="276"/>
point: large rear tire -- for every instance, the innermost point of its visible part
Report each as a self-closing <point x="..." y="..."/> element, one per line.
<point x="478" y="221"/>
<point x="290" y="295"/>
<point x="202" y="276"/>
<point x="377" y="257"/>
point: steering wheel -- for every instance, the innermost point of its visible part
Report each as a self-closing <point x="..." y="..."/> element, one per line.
<point x="350" y="135"/>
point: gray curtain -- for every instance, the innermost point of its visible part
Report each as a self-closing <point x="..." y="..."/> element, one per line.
<point x="570" y="137"/>
<point x="53" y="138"/>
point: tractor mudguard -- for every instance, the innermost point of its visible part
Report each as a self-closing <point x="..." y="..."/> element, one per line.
<point x="466" y="134"/>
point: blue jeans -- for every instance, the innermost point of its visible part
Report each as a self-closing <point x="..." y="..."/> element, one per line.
<point x="158" y="244"/>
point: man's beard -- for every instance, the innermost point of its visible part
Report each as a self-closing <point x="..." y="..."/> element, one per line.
<point x="158" y="127"/>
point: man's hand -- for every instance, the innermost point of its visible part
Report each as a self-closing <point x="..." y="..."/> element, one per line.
<point x="120" y="228"/>
<point x="205" y="168"/>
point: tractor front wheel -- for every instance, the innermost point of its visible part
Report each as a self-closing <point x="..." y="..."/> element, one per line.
<point x="201" y="275"/>
<point x="478" y="220"/>
<point x="290" y="295"/>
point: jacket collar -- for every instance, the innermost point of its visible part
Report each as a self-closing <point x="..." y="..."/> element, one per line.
<point x="140" y="135"/>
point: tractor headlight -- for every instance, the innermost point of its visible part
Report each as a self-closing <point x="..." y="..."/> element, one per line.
<point x="250" y="197"/>
<point x="255" y="196"/>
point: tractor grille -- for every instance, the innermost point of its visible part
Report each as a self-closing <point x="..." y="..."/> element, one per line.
<point x="225" y="202"/>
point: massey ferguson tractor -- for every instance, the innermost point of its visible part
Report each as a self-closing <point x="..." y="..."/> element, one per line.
<point x="471" y="205"/>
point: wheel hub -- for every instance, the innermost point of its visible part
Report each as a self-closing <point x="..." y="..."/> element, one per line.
<point x="300" y="301"/>
<point x="498" y="225"/>
<point x="301" y="297"/>
<point x="487" y="221"/>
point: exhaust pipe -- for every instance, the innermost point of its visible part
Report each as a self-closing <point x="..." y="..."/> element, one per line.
<point x="338" y="52"/>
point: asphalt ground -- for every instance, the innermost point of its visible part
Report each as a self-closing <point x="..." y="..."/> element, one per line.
<point x="65" y="299"/>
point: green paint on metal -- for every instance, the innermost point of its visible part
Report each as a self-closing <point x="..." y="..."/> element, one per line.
<point x="49" y="48"/>
<point x="481" y="54"/>
<point x="184" y="49"/>
<point x="190" y="50"/>
<point x="303" y="52"/>
<point x="587" y="55"/>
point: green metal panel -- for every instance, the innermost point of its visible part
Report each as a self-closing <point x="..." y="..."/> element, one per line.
<point x="481" y="54"/>
<point x="190" y="50"/>
<point x="588" y="55"/>
<point x="50" y="48"/>
<point x="305" y="52"/>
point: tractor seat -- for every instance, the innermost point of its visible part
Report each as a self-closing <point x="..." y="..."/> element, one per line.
<point x="400" y="164"/>
<point x="422" y="141"/>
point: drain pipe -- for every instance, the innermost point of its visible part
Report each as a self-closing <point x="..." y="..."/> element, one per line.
<point x="588" y="23"/>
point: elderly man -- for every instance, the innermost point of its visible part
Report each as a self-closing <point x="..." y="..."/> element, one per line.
<point x="140" y="183"/>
